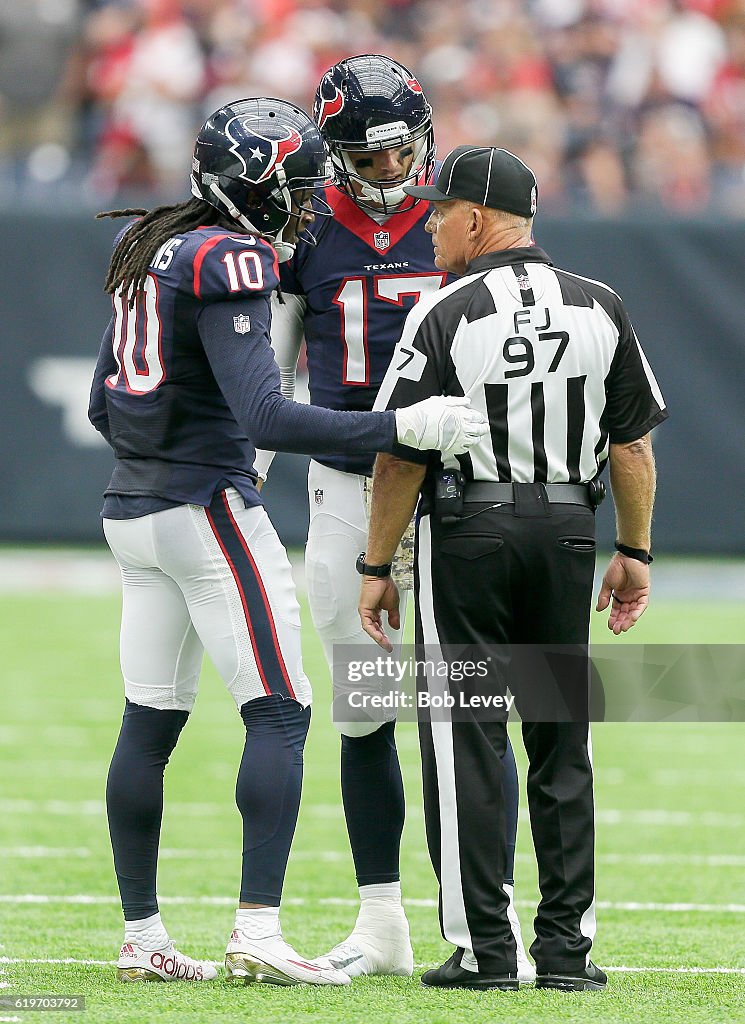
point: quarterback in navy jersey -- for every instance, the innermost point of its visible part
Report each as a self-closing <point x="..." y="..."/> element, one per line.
<point x="357" y="285"/>
<point x="349" y="296"/>
<point x="184" y="386"/>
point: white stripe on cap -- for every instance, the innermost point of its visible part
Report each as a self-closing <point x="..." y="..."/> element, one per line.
<point x="523" y="163"/>
<point x="488" y="177"/>
<point x="482" y="149"/>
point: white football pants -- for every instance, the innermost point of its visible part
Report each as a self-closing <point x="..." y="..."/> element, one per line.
<point x="215" y="579"/>
<point x="336" y="535"/>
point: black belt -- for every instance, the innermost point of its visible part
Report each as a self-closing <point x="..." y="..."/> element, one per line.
<point x="557" y="494"/>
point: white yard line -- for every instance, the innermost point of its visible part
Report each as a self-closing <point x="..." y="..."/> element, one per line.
<point x="715" y="860"/>
<point x="620" y="969"/>
<point x="83" y="899"/>
<point x="604" y="816"/>
<point x="166" y="853"/>
<point x="675" y="970"/>
<point x="668" y="819"/>
<point x="97" y="808"/>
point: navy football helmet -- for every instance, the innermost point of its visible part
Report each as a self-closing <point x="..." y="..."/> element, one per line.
<point x="369" y="103"/>
<point x="251" y="156"/>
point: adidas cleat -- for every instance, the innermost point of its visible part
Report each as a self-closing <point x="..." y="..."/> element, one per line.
<point x="272" y="961"/>
<point x="166" y="964"/>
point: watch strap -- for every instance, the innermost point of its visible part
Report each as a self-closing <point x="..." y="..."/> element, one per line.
<point x="379" y="571"/>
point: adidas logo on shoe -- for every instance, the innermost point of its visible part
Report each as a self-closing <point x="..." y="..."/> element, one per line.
<point x="179" y="970"/>
<point x="167" y="964"/>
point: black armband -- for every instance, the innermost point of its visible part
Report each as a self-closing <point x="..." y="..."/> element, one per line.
<point x="638" y="553"/>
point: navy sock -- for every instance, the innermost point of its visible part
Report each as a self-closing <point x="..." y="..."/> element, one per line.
<point x="373" y="795"/>
<point x="134" y="802"/>
<point x="511" y="790"/>
<point x="267" y="793"/>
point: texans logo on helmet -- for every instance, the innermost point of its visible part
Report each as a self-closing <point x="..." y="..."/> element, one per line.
<point x="329" y="107"/>
<point x="413" y="85"/>
<point x="265" y="155"/>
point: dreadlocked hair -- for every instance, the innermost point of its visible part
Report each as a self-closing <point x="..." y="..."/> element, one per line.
<point x="134" y="251"/>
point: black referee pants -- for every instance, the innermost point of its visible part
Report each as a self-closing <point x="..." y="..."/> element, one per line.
<point x="497" y="579"/>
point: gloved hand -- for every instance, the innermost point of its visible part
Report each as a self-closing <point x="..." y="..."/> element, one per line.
<point x="442" y="422"/>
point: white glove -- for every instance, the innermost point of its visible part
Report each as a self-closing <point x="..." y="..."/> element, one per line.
<point x="448" y="424"/>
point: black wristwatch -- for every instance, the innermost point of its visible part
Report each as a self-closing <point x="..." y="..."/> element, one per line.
<point x="380" y="571"/>
<point x="640" y="554"/>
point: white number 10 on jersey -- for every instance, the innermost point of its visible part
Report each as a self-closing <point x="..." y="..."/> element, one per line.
<point x="138" y="357"/>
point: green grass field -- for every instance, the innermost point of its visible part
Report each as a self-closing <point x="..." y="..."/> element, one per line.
<point x="671" y="822"/>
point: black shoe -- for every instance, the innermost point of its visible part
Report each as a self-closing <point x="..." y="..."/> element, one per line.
<point x="591" y="978"/>
<point x="452" y="975"/>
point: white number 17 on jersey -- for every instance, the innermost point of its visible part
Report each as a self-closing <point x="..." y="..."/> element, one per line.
<point x="352" y="298"/>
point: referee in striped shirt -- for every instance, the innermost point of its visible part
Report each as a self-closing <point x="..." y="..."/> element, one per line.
<point x="506" y="549"/>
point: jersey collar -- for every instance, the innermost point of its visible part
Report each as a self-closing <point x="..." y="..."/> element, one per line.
<point x="507" y="258"/>
<point x="380" y="237"/>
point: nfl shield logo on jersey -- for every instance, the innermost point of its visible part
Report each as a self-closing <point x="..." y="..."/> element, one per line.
<point x="319" y="496"/>
<point x="382" y="240"/>
<point x="242" y="324"/>
<point x="523" y="282"/>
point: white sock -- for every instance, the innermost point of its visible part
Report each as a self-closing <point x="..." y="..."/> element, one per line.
<point x="258" y="924"/>
<point x="388" y="892"/>
<point x="148" y="933"/>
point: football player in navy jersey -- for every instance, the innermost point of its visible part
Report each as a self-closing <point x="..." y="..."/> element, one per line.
<point x="349" y="295"/>
<point x="184" y="386"/>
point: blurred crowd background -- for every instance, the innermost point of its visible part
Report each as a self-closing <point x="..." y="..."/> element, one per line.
<point x="618" y="105"/>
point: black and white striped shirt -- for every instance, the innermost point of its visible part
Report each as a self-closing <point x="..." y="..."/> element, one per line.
<point x="549" y="357"/>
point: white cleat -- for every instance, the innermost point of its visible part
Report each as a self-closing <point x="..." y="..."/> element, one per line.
<point x="166" y="964"/>
<point x="525" y="968"/>
<point x="272" y="961"/>
<point x="379" y="944"/>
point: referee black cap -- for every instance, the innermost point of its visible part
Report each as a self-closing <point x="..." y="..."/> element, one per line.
<point x="484" y="175"/>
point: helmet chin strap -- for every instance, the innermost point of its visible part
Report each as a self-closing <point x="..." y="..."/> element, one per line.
<point x="233" y="210"/>
<point x="285" y="250"/>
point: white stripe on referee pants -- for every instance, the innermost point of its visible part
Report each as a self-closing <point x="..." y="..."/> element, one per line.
<point x="588" y="922"/>
<point x="454" y="922"/>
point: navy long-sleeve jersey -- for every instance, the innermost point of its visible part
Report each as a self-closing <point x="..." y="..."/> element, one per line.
<point x="186" y="383"/>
